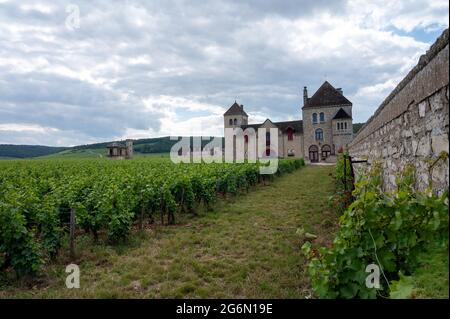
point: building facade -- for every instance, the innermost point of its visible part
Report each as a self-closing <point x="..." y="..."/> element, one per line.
<point x="326" y="127"/>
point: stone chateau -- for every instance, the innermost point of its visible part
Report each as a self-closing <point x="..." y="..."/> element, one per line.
<point x="326" y="127"/>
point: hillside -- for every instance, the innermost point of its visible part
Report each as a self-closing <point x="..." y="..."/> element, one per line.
<point x="357" y="127"/>
<point x="147" y="146"/>
<point x="25" y="151"/>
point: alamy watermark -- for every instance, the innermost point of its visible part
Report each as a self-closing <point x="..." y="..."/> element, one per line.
<point x="73" y="19"/>
<point x="373" y="279"/>
<point x="240" y="146"/>
<point x="73" y="279"/>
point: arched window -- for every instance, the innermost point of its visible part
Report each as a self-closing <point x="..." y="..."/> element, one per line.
<point x="246" y="138"/>
<point x="322" y="117"/>
<point x="267" y="138"/>
<point x="235" y="121"/>
<point x="313" y="153"/>
<point x="314" y="118"/>
<point x="326" y="151"/>
<point x="319" y="134"/>
<point x="231" y="122"/>
<point x="290" y="133"/>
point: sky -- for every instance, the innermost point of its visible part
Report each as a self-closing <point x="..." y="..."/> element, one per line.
<point x="80" y="72"/>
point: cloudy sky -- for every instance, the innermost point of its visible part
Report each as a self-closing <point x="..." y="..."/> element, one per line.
<point x="129" y="69"/>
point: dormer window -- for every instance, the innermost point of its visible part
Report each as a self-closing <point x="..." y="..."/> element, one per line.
<point x="322" y="117"/>
<point x="314" y="118"/>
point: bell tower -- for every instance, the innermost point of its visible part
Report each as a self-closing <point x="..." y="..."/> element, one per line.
<point x="235" y="116"/>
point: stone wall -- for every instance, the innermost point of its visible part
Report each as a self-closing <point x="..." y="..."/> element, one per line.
<point x="412" y="125"/>
<point x="296" y="144"/>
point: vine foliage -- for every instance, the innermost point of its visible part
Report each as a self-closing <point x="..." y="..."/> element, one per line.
<point x="387" y="229"/>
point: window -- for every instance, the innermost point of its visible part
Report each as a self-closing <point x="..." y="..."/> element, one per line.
<point x="326" y="151"/>
<point x="345" y="125"/>
<point x="322" y="117"/>
<point x="337" y="126"/>
<point x="246" y="138"/>
<point x="231" y="122"/>
<point x="314" y="118"/>
<point x="267" y="138"/>
<point x="319" y="135"/>
<point x="235" y="122"/>
<point x="313" y="153"/>
<point x="290" y="134"/>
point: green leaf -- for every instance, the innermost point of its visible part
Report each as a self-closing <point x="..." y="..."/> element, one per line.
<point x="403" y="288"/>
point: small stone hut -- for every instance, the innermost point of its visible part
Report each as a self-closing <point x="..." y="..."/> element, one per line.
<point x="119" y="150"/>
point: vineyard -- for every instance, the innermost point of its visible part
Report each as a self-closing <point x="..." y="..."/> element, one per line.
<point x="397" y="231"/>
<point x="108" y="198"/>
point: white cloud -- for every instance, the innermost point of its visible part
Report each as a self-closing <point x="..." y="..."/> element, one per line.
<point x="14" y="127"/>
<point x="161" y="67"/>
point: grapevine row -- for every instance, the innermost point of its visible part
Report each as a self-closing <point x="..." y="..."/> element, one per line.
<point x="36" y="198"/>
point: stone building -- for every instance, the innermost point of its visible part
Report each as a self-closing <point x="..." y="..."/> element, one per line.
<point x="326" y="128"/>
<point x="117" y="150"/>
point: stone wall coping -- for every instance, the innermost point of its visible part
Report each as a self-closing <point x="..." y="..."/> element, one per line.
<point x="441" y="43"/>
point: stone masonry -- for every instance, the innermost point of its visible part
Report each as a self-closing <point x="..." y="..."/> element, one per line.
<point x="412" y="125"/>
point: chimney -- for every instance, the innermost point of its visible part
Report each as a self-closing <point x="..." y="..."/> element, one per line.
<point x="305" y="95"/>
<point x="340" y="91"/>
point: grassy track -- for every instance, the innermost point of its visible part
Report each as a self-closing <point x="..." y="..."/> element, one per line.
<point x="246" y="247"/>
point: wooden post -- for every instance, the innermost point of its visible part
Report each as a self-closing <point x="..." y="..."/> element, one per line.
<point x="72" y="233"/>
<point x="345" y="172"/>
<point x="182" y="201"/>
<point x="141" y="218"/>
<point x="352" y="173"/>
<point x="161" y="208"/>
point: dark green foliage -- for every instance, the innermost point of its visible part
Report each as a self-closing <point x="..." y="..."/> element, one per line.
<point x="390" y="230"/>
<point x="36" y="198"/>
<point x="357" y="127"/>
<point x="24" y="151"/>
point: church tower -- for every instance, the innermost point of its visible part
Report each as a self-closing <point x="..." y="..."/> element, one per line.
<point x="235" y="116"/>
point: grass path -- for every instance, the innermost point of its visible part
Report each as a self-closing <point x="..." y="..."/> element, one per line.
<point x="246" y="248"/>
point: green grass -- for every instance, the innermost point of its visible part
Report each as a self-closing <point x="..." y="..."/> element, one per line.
<point x="72" y="153"/>
<point x="246" y="247"/>
<point x="430" y="280"/>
